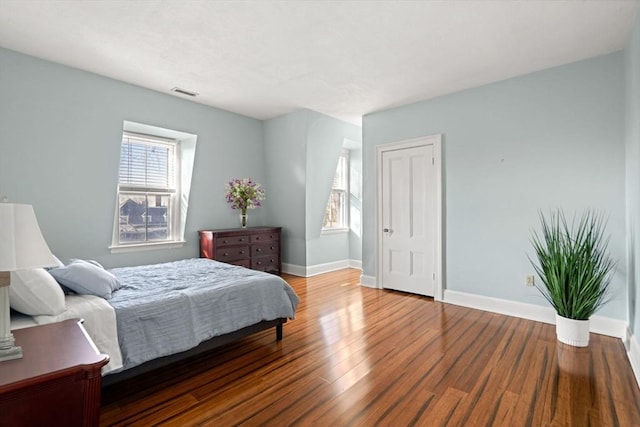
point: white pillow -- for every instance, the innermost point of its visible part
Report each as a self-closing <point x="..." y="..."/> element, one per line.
<point x="35" y="292"/>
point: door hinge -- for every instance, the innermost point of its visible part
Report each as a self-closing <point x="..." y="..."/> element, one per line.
<point x="433" y="160"/>
<point x="434" y="276"/>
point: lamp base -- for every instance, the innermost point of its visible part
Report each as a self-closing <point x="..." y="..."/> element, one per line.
<point x="10" y="353"/>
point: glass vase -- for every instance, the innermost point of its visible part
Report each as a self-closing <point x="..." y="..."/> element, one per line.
<point x="243" y="220"/>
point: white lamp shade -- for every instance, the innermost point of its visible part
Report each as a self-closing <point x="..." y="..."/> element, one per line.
<point x="21" y="243"/>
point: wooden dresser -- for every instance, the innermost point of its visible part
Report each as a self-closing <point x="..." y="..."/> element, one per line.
<point x="56" y="382"/>
<point x="257" y="248"/>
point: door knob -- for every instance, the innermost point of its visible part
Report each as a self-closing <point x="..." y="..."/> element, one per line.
<point x="386" y="230"/>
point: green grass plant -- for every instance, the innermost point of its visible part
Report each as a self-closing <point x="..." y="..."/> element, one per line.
<point x="573" y="263"/>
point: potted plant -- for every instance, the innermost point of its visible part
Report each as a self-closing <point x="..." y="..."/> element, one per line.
<point x="574" y="268"/>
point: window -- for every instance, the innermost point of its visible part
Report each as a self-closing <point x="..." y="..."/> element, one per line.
<point x="336" y="216"/>
<point x="154" y="182"/>
<point x="148" y="186"/>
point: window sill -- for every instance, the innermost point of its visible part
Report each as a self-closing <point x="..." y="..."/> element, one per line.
<point x="146" y="246"/>
<point x="334" y="230"/>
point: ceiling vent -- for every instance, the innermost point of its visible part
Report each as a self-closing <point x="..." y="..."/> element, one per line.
<point x="184" y="92"/>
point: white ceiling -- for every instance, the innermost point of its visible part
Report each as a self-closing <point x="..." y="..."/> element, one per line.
<point x="341" y="58"/>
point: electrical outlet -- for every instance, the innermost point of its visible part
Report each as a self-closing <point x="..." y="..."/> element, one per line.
<point x="530" y="280"/>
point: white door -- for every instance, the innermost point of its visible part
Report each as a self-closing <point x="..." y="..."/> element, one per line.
<point x="409" y="219"/>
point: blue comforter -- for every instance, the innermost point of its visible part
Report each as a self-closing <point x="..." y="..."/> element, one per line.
<point x="167" y="308"/>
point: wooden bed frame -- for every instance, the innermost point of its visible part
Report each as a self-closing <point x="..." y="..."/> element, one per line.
<point x="205" y="346"/>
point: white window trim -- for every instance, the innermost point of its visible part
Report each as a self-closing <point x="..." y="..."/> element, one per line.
<point x="335" y="230"/>
<point x="135" y="247"/>
<point x="345" y="227"/>
<point x="185" y="156"/>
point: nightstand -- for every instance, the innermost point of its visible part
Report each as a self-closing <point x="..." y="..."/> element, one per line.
<point x="56" y="382"/>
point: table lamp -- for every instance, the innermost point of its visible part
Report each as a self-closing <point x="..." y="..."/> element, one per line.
<point x="21" y="247"/>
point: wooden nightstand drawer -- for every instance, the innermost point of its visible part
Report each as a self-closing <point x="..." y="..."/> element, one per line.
<point x="233" y="253"/>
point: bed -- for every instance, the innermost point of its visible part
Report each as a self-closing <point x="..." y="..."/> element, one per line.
<point x="146" y="316"/>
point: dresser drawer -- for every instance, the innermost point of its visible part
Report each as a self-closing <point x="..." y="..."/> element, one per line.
<point x="232" y="253"/>
<point x="266" y="263"/>
<point x="241" y="262"/>
<point x="258" y="248"/>
<point x="265" y="237"/>
<point x="232" y="240"/>
<point x="265" y="249"/>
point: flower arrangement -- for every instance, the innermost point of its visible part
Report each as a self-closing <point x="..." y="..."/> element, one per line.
<point x="244" y="194"/>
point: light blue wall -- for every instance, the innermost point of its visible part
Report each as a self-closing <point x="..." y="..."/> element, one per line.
<point x="550" y="139"/>
<point x="325" y="140"/>
<point x="632" y="156"/>
<point x="355" y="235"/>
<point x="285" y="155"/>
<point x="302" y="151"/>
<point x="60" y="132"/>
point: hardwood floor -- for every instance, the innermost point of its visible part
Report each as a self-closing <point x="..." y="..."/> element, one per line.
<point x="356" y="356"/>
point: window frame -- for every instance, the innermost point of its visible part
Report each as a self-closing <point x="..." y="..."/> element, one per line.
<point x="172" y="191"/>
<point x="343" y="193"/>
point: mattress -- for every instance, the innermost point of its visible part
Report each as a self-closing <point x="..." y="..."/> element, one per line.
<point x="168" y="308"/>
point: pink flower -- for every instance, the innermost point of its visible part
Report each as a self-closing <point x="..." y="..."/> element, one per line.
<point x="244" y="194"/>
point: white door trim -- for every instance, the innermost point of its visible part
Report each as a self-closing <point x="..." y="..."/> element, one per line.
<point x="436" y="141"/>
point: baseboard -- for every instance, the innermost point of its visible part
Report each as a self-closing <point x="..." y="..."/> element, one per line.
<point x="608" y="326"/>
<point x="296" y="270"/>
<point x="634" y="356"/>
<point x="355" y="263"/>
<point x="599" y="324"/>
<point x="368" y="281"/>
<point x="314" y="270"/>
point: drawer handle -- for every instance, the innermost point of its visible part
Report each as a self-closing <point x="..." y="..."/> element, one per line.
<point x="272" y="247"/>
<point x="225" y="241"/>
<point x="258" y="250"/>
<point x="226" y="254"/>
<point x="241" y="252"/>
<point x="241" y="239"/>
<point x="259" y="262"/>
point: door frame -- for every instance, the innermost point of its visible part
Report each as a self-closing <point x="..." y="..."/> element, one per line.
<point x="436" y="141"/>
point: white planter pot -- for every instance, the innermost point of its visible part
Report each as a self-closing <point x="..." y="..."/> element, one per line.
<point x="572" y="332"/>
